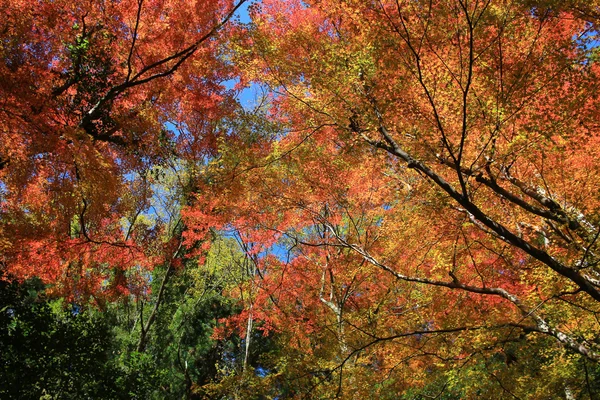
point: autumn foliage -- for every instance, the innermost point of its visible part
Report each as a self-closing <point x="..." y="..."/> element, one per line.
<point x="414" y="195"/>
<point x="93" y="97"/>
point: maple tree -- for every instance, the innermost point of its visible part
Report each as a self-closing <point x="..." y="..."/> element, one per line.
<point x="95" y="95"/>
<point x="411" y="209"/>
<point x="435" y="185"/>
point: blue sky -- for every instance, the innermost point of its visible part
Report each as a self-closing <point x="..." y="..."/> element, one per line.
<point x="242" y="12"/>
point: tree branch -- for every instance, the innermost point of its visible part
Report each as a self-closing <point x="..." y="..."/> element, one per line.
<point x="542" y="326"/>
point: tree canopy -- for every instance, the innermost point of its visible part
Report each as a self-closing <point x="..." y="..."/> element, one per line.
<point x="407" y="207"/>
